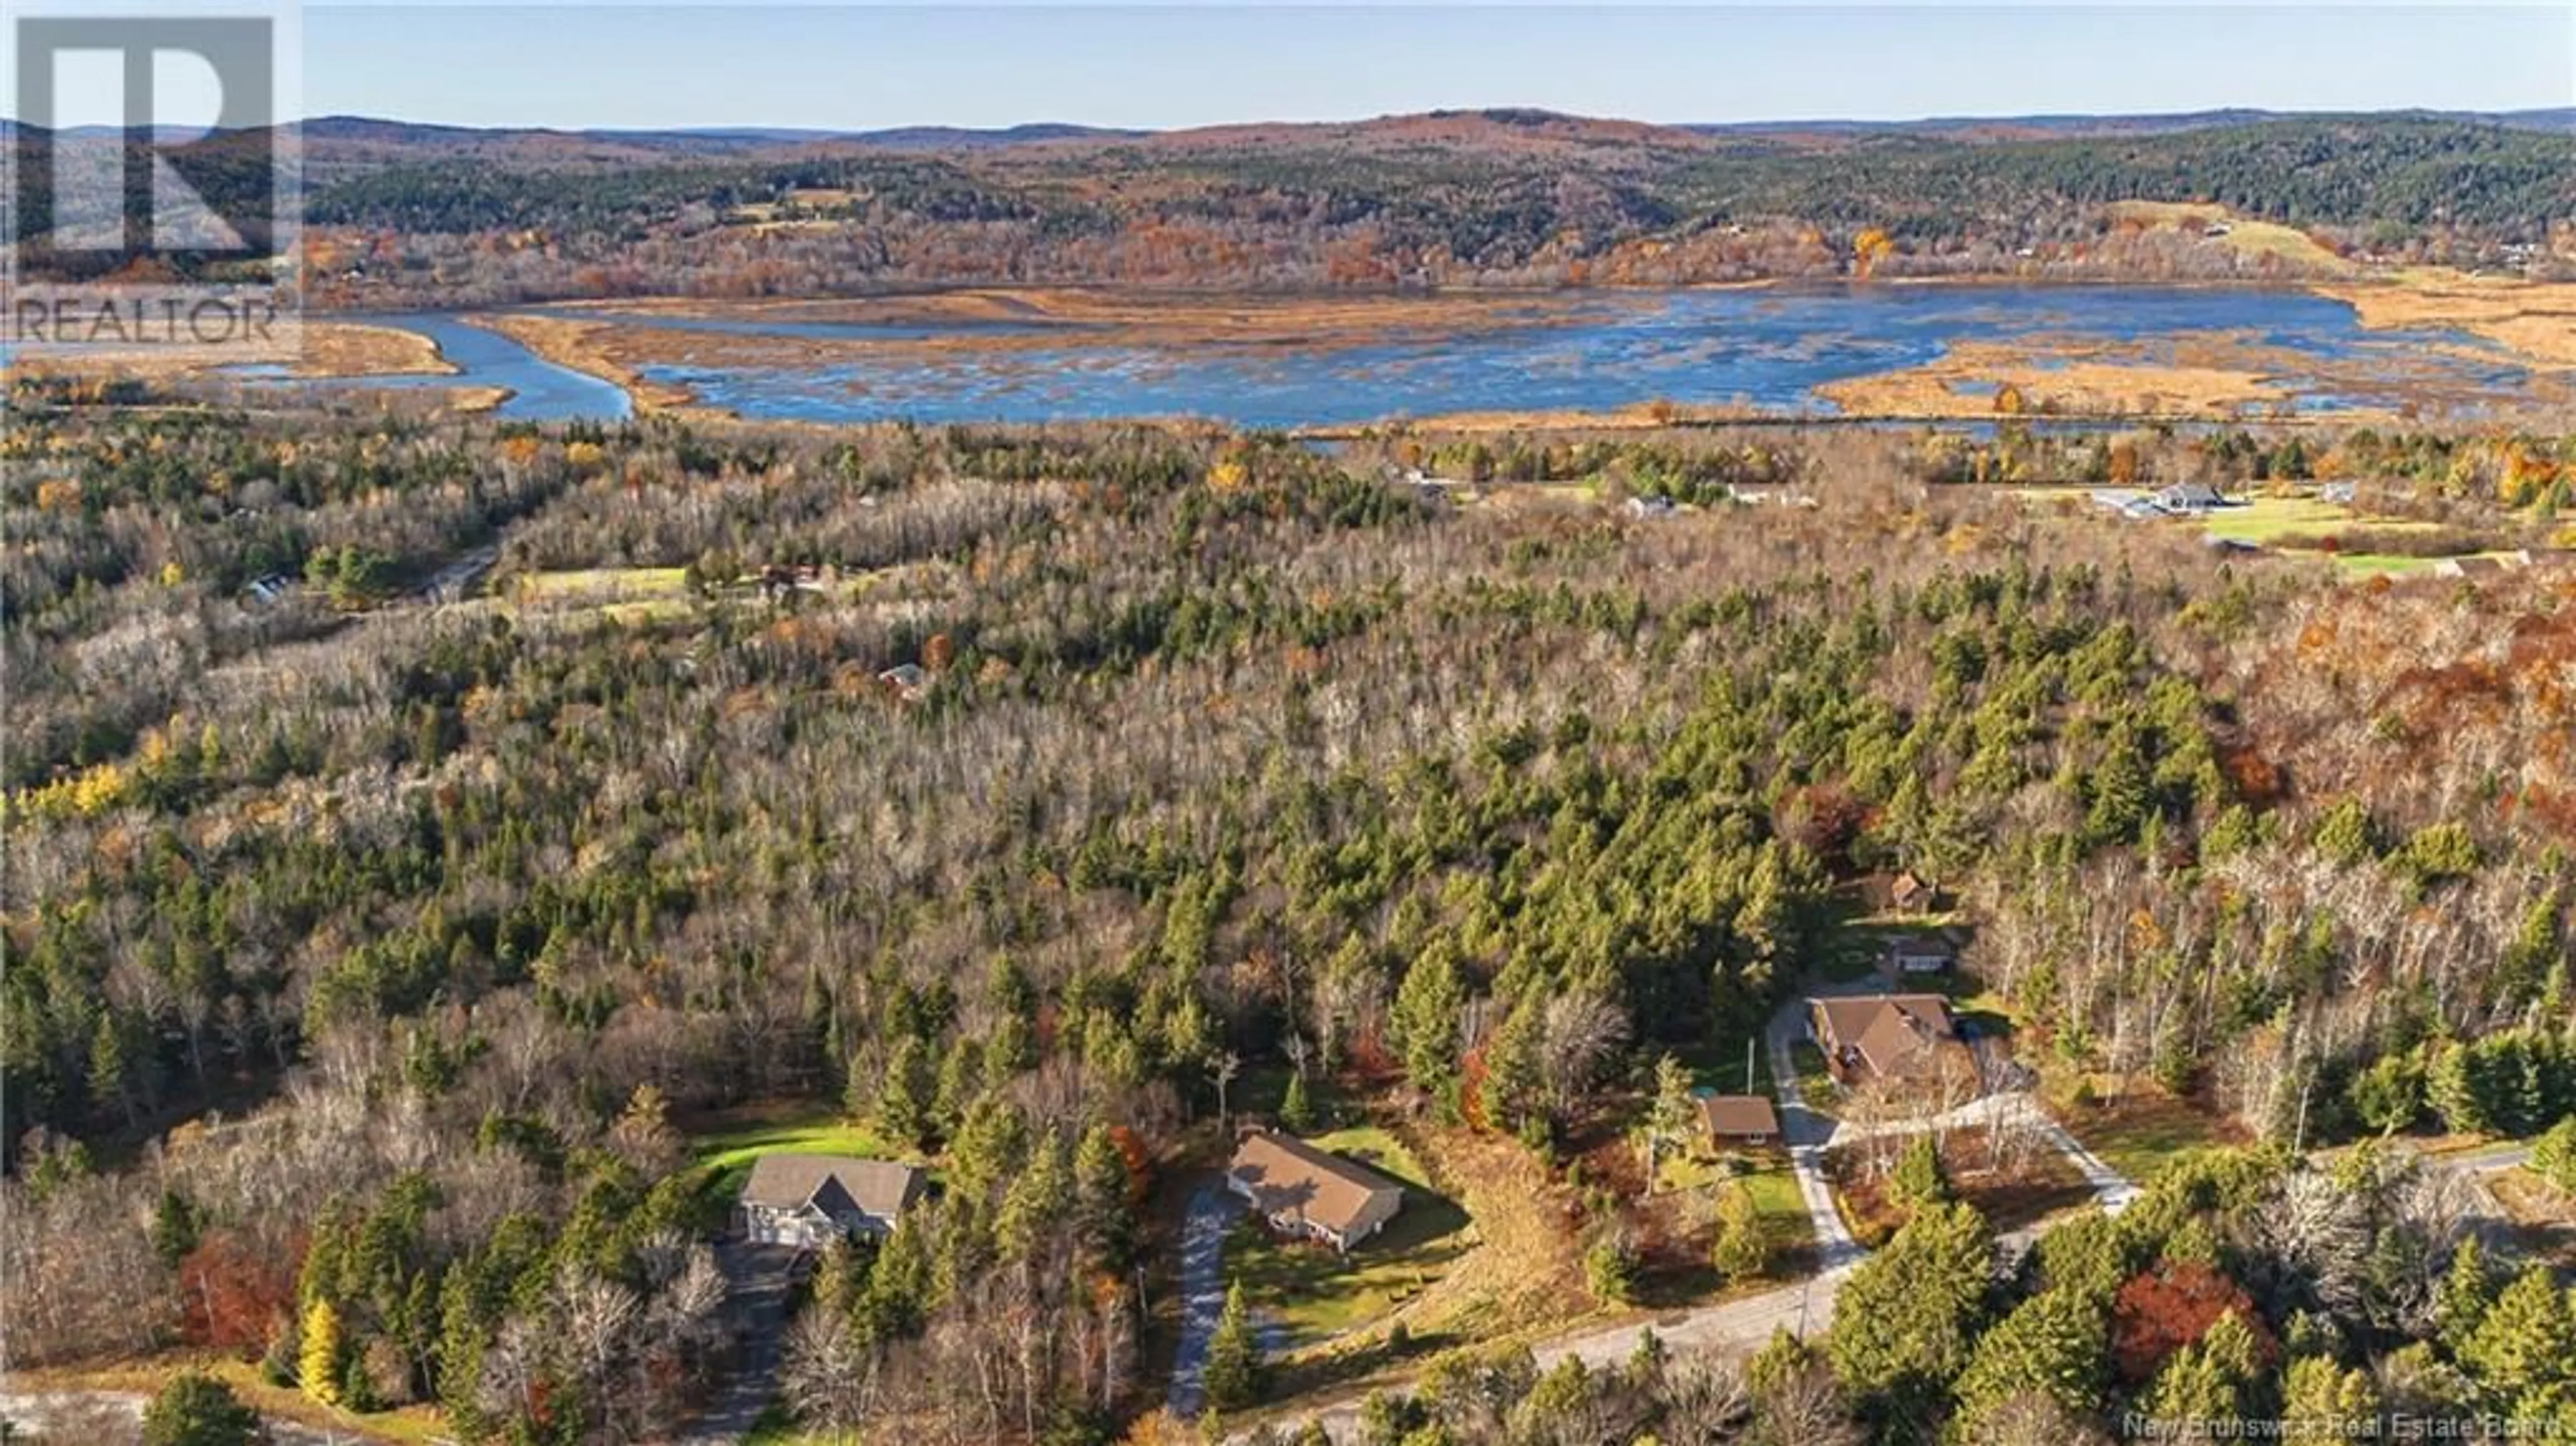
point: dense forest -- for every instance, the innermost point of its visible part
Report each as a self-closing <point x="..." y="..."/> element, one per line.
<point x="1093" y="757"/>
<point x="1513" y="198"/>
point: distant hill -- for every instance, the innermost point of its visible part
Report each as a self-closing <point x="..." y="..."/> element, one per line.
<point x="2038" y="127"/>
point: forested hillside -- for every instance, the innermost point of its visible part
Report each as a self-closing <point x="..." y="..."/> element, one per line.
<point x="1503" y="197"/>
<point x="464" y="912"/>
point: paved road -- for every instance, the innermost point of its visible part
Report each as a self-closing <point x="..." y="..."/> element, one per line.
<point x="756" y="1281"/>
<point x="1211" y="1214"/>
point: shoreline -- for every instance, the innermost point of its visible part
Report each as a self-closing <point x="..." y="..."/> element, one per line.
<point x="2059" y="387"/>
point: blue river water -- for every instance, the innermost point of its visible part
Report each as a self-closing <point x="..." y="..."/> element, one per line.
<point x="1766" y="348"/>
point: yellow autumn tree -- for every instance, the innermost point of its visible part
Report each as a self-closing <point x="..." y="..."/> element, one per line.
<point x="1868" y="247"/>
<point x="317" y="1363"/>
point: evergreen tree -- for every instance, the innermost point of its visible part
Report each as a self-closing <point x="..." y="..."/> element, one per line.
<point x="1675" y="1117"/>
<point x="1295" y="1113"/>
<point x="2054" y="1344"/>
<point x="175" y="1227"/>
<point x="2203" y="1385"/>
<point x="1918" y="1180"/>
<point x="899" y="1103"/>
<point x="2525" y="1347"/>
<point x="2462" y="1296"/>
<point x="1610" y="1267"/>
<point x="1231" y="1375"/>
<point x="1426" y="1017"/>
<point x="1039" y="1196"/>
<point x="1512" y="1084"/>
<point x="1101" y="1188"/>
<point x="2322" y="1401"/>
<point x="1908" y="1316"/>
<point x="2553" y="1156"/>
<point x="195" y="1409"/>
<point x="1740" y="1252"/>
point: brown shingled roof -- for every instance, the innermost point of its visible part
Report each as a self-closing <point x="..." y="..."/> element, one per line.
<point x="1286" y="1174"/>
<point x="1739" y="1115"/>
<point x="1898" y="1035"/>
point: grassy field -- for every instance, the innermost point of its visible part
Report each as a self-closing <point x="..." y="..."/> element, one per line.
<point x="628" y="594"/>
<point x="409" y="1426"/>
<point x="1309" y="1294"/>
<point x="2137" y="1132"/>
<point x="2252" y="238"/>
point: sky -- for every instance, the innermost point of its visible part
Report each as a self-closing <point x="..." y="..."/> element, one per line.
<point x="849" y="68"/>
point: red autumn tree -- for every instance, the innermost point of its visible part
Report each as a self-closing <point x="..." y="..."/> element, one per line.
<point x="2160" y="1311"/>
<point x="230" y="1295"/>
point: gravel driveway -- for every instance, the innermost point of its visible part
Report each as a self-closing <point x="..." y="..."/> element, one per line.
<point x="1211" y="1214"/>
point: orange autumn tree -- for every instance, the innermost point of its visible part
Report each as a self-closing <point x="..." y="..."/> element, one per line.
<point x="1868" y="247"/>
<point x="2158" y="1312"/>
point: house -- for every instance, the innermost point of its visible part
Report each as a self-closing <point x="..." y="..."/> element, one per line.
<point x="1740" y="1119"/>
<point x="2189" y="499"/>
<point x="1907" y="893"/>
<point x="806" y="1200"/>
<point x="1920" y="954"/>
<point x="1904" y="1038"/>
<point x="1305" y="1191"/>
<point x="2474" y="565"/>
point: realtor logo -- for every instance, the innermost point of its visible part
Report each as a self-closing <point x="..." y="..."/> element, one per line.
<point x="152" y="188"/>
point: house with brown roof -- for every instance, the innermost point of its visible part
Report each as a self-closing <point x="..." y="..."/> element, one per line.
<point x="807" y="1200"/>
<point x="1302" y="1190"/>
<point x="1902" y="1038"/>
<point x="1740" y="1119"/>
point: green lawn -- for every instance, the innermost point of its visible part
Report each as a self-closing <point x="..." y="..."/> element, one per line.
<point x="1717" y="1065"/>
<point x="2136" y="1133"/>
<point x="1312" y="1294"/>
<point x="2382" y="564"/>
<point x="1816" y="1085"/>
<point x="724" y="1146"/>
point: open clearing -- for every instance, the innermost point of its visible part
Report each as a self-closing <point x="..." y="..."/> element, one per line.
<point x="2137" y="1131"/>
<point x="2247" y="237"/>
<point x="725" y="1145"/>
<point x="1312" y="1294"/>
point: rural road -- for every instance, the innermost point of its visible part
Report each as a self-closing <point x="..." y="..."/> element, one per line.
<point x="1211" y="1214"/>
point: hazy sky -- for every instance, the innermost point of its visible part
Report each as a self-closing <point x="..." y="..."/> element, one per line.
<point x="975" y="65"/>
